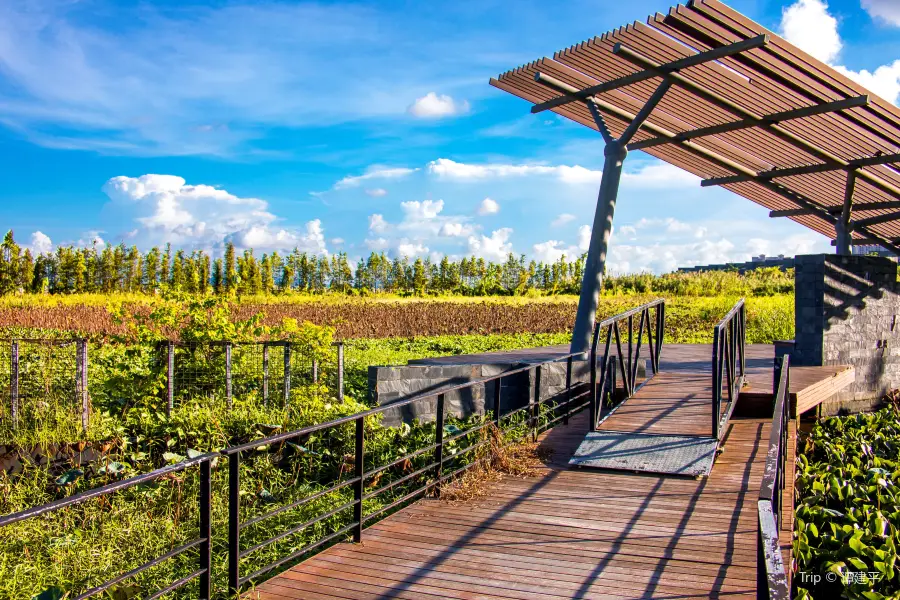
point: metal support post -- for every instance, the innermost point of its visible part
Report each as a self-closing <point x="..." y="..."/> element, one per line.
<point x="14" y="383"/>
<point x="228" y="399"/>
<point x="340" y="371"/>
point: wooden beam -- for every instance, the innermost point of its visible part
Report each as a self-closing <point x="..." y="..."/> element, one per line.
<point x="681" y="63"/>
<point x="836" y="210"/>
<point x="787" y="115"/>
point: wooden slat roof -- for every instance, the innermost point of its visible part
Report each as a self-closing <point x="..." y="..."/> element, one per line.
<point x="766" y="80"/>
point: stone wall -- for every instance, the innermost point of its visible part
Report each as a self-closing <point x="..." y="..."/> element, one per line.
<point x="388" y="384"/>
<point x="846" y="314"/>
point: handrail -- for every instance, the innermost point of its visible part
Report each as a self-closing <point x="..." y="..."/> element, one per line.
<point x="628" y="365"/>
<point x="728" y="364"/>
<point x="202" y="540"/>
<point x="771" y="577"/>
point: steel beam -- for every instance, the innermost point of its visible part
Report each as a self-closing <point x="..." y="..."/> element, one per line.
<point x="867" y="242"/>
<point x="681" y="63"/>
<point x="836" y="210"/>
<point x="884" y="159"/>
<point x="799" y="113"/>
<point x="737" y="110"/>
<point x="876" y="220"/>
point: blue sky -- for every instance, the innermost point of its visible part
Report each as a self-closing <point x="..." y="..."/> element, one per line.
<point x="357" y="127"/>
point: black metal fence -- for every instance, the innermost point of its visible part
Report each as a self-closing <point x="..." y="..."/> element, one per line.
<point x="44" y="380"/>
<point x="771" y="578"/>
<point x="651" y="321"/>
<point x="728" y="365"/>
<point x="202" y="542"/>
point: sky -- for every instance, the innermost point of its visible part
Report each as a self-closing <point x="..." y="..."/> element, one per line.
<point x="359" y="127"/>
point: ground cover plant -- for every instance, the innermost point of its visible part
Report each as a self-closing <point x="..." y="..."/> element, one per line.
<point x="848" y="507"/>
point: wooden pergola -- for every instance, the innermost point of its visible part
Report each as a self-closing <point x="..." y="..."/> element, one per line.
<point x="710" y="91"/>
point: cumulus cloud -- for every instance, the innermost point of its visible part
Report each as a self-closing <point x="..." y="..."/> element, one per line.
<point x="584" y="237"/>
<point x="495" y="247"/>
<point x="416" y="210"/>
<point x="433" y="106"/>
<point x="377" y="224"/>
<point x="91" y="238"/>
<point x="374" y="172"/>
<point x="421" y="224"/>
<point x="553" y="250"/>
<point x="887" y="10"/>
<point x="562" y="219"/>
<point x="809" y="25"/>
<point x="40" y="243"/>
<point x="167" y="209"/>
<point x="376" y="192"/>
<point x="411" y="249"/>
<point x="450" y="169"/>
<point x="488" y="207"/>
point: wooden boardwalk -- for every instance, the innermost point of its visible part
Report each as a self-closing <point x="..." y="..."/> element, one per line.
<point x="568" y="533"/>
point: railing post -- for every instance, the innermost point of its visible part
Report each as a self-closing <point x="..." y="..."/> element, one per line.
<point x="439" y="448"/>
<point x="82" y="383"/>
<point x="716" y="383"/>
<point x="170" y="377"/>
<point x="14" y="383"/>
<point x="287" y="374"/>
<point x="359" y="486"/>
<point x="228" y="399"/>
<point x="762" y="579"/>
<point x="568" y="390"/>
<point x="205" y="531"/>
<point x="498" y="388"/>
<point x="595" y="408"/>
<point x="234" y="524"/>
<point x="535" y="407"/>
<point x="340" y="371"/>
<point x="265" y="382"/>
<point x="630" y="384"/>
<point x="315" y="371"/>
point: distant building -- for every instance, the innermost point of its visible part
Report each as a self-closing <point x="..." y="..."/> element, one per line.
<point x="757" y="262"/>
<point x="871" y="250"/>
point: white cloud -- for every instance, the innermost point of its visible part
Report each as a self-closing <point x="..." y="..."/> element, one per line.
<point x="488" y="207"/>
<point x="659" y="175"/>
<point x="91" y="238"/>
<point x="432" y="106"/>
<point x="337" y="241"/>
<point x="808" y="25"/>
<point x="888" y="10"/>
<point x="562" y="219"/>
<point x="40" y="243"/>
<point x="553" y="250"/>
<point x="415" y="210"/>
<point x="374" y="172"/>
<point x="411" y="249"/>
<point x="378" y="244"/>
<point x="496" y="247"/>
<point x="377" y="224"/>
<point x="584" y="237"/>
<point x="376" y="192"/>
<point x="167" y="209"/>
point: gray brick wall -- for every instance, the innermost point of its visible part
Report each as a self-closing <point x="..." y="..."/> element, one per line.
<point x="846" y="313"/>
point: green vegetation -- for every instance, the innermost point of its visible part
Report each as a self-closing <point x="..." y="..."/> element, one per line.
<point x="845" y="530"/>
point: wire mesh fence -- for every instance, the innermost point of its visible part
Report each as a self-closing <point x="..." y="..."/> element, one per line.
<point x="57" y="382"/>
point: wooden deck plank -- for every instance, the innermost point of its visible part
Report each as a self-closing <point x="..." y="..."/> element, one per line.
<point x="568" y="533"/>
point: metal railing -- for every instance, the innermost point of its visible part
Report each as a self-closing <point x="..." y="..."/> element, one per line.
<point x="202" y="541"/>
<point x="771" y="578"/>
<point x="627" y="361"/>
<point x="359" y="479"/>
<point x="728" y="364"/>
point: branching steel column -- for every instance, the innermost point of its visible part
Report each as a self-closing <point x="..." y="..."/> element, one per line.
<point x="615" y="154"/>
<point x="842" y="227"/>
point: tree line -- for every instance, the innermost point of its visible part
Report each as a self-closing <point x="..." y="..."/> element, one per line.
<point x="125" y="269"/>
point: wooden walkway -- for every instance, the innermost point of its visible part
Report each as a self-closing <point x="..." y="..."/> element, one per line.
<point x="569" y="533"/>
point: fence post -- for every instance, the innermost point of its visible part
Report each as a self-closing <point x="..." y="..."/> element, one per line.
<point x="205" y="531"/>
<point x="287" y="374"/>
<point x="265" y="384"/>
<point x="535" y="407"/>
<point x="14" y="383"/>
<point x="340" y="371"/>
<point x="595" y="407"/>
<point x="716" y="381"/>
<point x="228" y="398"/>
<point x="439" y="448"/>
<point x="568" y="390"/>
<point x="170" y="377"/>
<point x="498" y="388"/>
<point x="82" y="386"/>
<point x="234" y="524"/>
<point x="359" y="486"/>
<point x="315" y="371"/>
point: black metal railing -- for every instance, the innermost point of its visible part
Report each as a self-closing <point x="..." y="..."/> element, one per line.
<point x="728" y="365"/>
<point x="628" y="358"/>
<point x="202" y="542"/>
<point x="771" y="578"/>
<point x="359" y="478"/>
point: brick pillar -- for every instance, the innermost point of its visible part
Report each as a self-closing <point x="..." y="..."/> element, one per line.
<point x="847" y="309"/>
